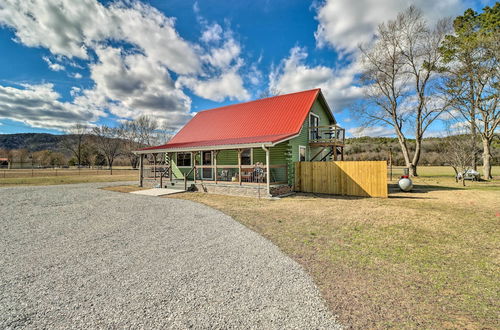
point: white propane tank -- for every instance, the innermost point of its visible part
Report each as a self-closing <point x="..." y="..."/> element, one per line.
<point x="405" y="184"/>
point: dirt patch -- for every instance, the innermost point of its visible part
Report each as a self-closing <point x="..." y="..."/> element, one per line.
<point x="124" y="189"/>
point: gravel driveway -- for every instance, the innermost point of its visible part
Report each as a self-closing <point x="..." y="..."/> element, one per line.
<point x="75" y="256"/>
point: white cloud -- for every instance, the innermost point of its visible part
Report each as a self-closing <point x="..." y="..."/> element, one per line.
<point x="294" y="75"/>
<point x="71" y="28"/>
<point x="221" y="60"/>
<point x="52" y="65"/>
<point x="378" y="131"/>
<point x="254" y="75"/>
<point x="40" y="106"/>
<point x="131" y="50"/>
<point x="212" y="33"/>
<point x="156" y="36"/>
<point x="134" y="82"/>
<point x="229" y="84"/>
<point x="76" y="75"/>
<point x="226" y="55"/>
<point x="344" y="24"/>
<point x="63" y="28"/>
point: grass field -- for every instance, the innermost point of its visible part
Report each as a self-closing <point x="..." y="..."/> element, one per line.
<point x="37" y="177"/>
<point x="440" y="171"/>
<point x="426" y="259"/>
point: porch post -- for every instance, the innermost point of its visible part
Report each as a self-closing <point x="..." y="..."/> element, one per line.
<point x="239" y="166"/>
<point x="141" y="167"/>
<point x="169" y="155"/>
<point x="193" y="157"/>
<point x="154" y="164"/>
<point x="335" y="152"/>
<point x="268" y="170"/>
<point x="215" y="152"/>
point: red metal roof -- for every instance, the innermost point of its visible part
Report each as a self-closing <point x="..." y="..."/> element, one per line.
<point x="271" y="119"/>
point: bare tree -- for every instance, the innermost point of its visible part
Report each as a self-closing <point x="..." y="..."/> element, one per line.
<point x="139" y="133"/>
<point x="109" y="141"/>
<point x="130" y="141"/>
<point x="458" y="153"/>
<point x="269" y="92"/>
<point x="21" y="155"/>
<point x="162" y="135"/>
<point x="400" y="79"/>
<point x="75" y="140"/>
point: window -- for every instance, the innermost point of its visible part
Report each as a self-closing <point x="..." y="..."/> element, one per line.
<point x="246" y="157"/>
<point x="184" y="159"/>
<point x="313" y="125"/>
<point x="302" y="154"/>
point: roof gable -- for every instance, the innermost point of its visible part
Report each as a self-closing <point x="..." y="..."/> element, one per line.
<point x="266" y="120"/>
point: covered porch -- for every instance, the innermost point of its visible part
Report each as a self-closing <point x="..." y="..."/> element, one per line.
<point x="260" y="166"/>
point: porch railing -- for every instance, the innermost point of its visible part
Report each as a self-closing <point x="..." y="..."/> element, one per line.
<point x="154" y="172"/>
<point x="327" y="134"/>
<point x="240" y="174"/>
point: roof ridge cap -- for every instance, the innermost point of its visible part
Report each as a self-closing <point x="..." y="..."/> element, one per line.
<point x="252" y="101"/>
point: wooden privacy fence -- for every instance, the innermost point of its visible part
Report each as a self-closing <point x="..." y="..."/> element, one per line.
<point x="353" y="178"/>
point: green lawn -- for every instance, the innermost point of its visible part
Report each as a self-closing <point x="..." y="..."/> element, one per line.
<point x="51" y="180"/>
<point x="441" y="171"/>
<point x="426" y="259"/>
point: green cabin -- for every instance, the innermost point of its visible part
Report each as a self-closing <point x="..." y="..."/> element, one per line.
<point x="247" y="144"/>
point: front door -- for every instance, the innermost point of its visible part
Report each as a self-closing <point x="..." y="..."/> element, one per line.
<point x="206" y="160"/>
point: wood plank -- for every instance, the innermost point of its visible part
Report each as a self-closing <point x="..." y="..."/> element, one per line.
<point x="363" y="178"/>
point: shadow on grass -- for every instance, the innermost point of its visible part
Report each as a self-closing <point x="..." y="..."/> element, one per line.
<point x="325" y="196"/>
<point x="393" y="188"/>
<point x="422" y="188"/>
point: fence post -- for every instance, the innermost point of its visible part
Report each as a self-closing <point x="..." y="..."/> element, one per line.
<point x="297" y="177"/>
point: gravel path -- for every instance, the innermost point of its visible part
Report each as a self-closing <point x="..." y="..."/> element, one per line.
<point x="75" y="256"/>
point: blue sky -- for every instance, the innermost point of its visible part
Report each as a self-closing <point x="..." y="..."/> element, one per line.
<point x="90" y="61"/>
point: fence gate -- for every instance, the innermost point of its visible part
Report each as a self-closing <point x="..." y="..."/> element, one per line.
<point x="351" y="178"/>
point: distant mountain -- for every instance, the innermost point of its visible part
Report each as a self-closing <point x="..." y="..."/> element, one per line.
<point x="31" y="141"/>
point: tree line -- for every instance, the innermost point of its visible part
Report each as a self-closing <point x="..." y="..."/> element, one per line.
<point x="415" y="74"/>
<point x="102" y="145"/>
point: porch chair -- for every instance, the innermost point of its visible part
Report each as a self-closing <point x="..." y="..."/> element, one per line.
<point x="224" y="175"/>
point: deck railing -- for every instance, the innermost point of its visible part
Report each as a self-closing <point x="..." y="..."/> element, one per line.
<point x="327" y="134"/>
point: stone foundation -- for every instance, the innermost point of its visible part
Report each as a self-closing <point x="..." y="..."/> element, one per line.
<point x="281" y="190"/>
<point x="151" y="183"/>
<point x="237" y="190"/>
<point x="222" y="189"/>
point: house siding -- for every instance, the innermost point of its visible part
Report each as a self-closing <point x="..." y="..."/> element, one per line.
<point x="303" y="139"/>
